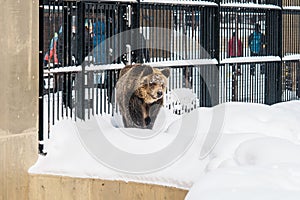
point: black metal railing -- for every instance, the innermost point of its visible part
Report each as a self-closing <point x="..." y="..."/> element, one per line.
<point x="210" y="46"/>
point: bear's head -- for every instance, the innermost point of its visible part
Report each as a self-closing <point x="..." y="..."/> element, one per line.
<point x="153" y="84"/>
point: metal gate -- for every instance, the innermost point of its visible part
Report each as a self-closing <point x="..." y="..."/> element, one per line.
<point x="84" y="44"/>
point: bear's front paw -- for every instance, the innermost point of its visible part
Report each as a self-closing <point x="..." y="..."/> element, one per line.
<point x="147" y="121"/>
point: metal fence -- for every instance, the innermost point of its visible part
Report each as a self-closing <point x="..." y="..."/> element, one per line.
<point x="219" y="50"/>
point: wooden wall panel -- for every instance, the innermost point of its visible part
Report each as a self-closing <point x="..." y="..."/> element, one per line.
<point x="57" y="187"/>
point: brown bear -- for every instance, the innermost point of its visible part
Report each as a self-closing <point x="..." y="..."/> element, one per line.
<point x="139" y="94"/>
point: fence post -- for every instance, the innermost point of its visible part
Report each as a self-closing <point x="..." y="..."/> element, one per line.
<point x="41" y="78"/>
<point x="273" y="83"/>
<point x="134" y="26"/>
<point x="280" y="53"/>
<point x="273" y="72"/>
<point x="215" y="97"/>
<point x="80" y="56"/>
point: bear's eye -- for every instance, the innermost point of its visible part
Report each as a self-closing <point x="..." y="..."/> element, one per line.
<point x="152" y="84"/>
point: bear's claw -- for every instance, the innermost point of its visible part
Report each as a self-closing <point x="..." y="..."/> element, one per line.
<point x="147" y="120"/>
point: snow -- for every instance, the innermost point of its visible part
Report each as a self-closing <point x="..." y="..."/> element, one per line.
<point x="257" y="156"/>
<point x="182" y="2"/>
<point x="184" y="62"/>
<point x="291" y="8"/>
<point x="248" y="183"/>
<point x="63" y="69"/>
<point x="250" y="5"/>
<point x="291" y="57"/>
<point x="253" y="59"/>
<point x="239" y="151"/>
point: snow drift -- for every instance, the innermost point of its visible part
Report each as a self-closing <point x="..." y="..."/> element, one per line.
<point x="256" y="154"/>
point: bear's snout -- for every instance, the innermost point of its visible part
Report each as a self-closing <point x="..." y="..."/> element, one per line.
<point x="159" y="94"/>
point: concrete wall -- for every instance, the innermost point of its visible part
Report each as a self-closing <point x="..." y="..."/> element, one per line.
<point x="56" y="188"/>
<point x="18" y="95"/>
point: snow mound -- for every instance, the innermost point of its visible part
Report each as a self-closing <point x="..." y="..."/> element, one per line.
<point x="267" y="151"/>
<point x="248" y="183"/>
<point x="253" y="154"/>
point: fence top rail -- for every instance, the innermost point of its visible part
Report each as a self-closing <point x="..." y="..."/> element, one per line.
<point x="61" y="6"/>
<point x="174" y="63"/>
<point x="181" y="2"/>
<point x="63" y="69"/>
<point x="92" y="67"/>
<point x="295" y="57"/>
<point x="180" y="63"/>
<point x="255" y="59"/>
<point x="292" y="8"/>
<point x="98" y="1"/>
<point x="250" y="6"/>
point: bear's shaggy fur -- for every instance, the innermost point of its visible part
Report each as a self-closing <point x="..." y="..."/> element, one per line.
<point x="139" y="94"/>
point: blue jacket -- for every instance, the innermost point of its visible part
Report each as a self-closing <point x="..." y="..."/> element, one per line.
<point x="255" y="41"/>
<point x="99" y="32"/>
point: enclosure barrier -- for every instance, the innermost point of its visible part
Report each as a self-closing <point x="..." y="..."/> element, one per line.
<point x="220" y="50"/>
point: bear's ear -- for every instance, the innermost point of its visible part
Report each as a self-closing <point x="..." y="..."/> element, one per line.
<point x="166" y="72"/>
<point x="147" y="71"/>
<point x="145" y="80"/>
<point x="141" y="70"/>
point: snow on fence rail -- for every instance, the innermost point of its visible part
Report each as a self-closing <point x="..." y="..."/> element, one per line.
<point x="250" y="5"/>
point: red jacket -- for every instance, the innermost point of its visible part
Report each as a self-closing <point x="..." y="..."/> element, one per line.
<point x="232" y="48"/>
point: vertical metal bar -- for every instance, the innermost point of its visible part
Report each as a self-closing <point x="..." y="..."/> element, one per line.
<point x="198" y="33"/>
<point x="109" y="88"/>
<point x="174" y="32"/>
<point x="188" y="34"/>
<point x="68" y="34"/>
<point x="118" y="46"/>
<point x="111" y="98"/>
<point x="51" y="34"/>
<point x="80" y="53"/>
<point x="216" y="50"/>
<point x="181" y="32"/>
<point x="101" y="96"/>
<point x="162" y="32"/>
<point x="75" y="95"/>
<point x="69" y="94"/>
<point x="185" y="28"/>
<point x="64" y="34"/>
<point x="52" y="25"/>
<point x="41" y="79"/>
<point x="155" y="9"/>
<point x="97" y="95"/>
<point x="57" y="94"/>
<point x="80" y="29"/>
<point x="141" y="25"/>
<point x="169" y="32"/>
<point x="55" y="89"/>
<point x="66" y="94"/>
<point x="104" y="9"/>
<point x="280" y="33"/>
<point x="99" y="13"/>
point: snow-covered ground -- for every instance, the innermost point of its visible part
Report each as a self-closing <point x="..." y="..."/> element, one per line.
<point x="255" y="154"/>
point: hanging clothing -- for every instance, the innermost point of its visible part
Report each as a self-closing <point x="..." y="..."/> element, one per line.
<point x="235" y="47"/>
